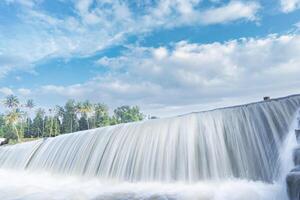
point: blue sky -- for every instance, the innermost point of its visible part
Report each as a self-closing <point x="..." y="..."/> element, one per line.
<point x="167" y="56"/>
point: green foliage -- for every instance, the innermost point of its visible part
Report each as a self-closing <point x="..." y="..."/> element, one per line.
<point x="56" y="126"/>
<point x="125" y="114"/>
<point x="13" y="120"/>
<point x="83" y="123"/>
<point x="9" y="132"/>
<point x="28" y="132"/>
<point x="2" y="125"/>
<point x="101" y="115"/>
<point x="69" y="117"/>
<point x="17" y="124"/>
<point x="6" y="130"/>
<point x="85" y="109"/>
<point x="38" y="124"/>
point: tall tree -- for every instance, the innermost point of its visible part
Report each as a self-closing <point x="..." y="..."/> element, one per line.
<point x="12" y="102"/>
<point x="14" y="116"/>
<point x="126" y="114"/>
<point x="39" y="122"/>
<point x="48" y="126"/>
<point x="29" y="105"/>
<point x="101" y="115"/>
<point x="28" y="132"/>
<point x="59" y="112"/>
<point x="56" y="126"/>
<point x="83" y="122"/>
<point x="6" y="130"/>
<point x="59" y="115"/>
<point x="2" y="125"/>
<point x="85" y="109"/>
<point x="49" y="122"/>
<point x="113" y="120"/>
<point x="12" y="119"/>
<point x="69" y="121"/>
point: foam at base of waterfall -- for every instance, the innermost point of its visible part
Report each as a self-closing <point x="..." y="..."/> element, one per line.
<point x="26" y="186"/>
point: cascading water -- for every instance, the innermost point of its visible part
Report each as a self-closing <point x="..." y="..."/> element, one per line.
<point x="200" y="150"/>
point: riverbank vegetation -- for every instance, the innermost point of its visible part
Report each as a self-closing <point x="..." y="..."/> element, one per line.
<point x="23" y="121"/>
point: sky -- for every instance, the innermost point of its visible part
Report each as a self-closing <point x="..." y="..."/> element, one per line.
<point x="169" y="57"/>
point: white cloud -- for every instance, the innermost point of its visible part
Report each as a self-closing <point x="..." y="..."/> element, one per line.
<point x="178" y="13"/>
<point x="233" y="11"/>
<point x="100" y="24"/>
<point x="160" y="53"/>
<point x="191" y="74"/>
<point x="5" y="91"/>
<point x="289" y="5"/>
<point x="24" y="91"/>
<point x="28" y="3"/>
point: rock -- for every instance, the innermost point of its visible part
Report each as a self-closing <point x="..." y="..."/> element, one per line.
<point x="267" y="98"/>
<point x="297" y="132"/>
<point x="293" y="184"/>
<point x="296" y="156"/>
<point x="3" y="142"/>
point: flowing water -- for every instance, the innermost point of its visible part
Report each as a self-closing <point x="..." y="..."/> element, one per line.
<point x="236" y="153"/>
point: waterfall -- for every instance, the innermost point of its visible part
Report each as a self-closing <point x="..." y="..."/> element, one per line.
<point x="241" y="142"/>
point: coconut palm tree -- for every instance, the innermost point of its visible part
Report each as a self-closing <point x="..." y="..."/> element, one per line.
<point x="51" y="115"/>
<point x="88" y="109"/>
<point x="85" y="109"/>
<point x="11" y="102"/>
<point x="14" y="116"/>
<point x="12" y="119"/>
<point x="101" y="117"/>
<point x="41" y="112"/>
<point x="59" y="112"/>
<point x="29" y="105"/>
<point x="79" y="109"/>
<point x="57" y="115"/>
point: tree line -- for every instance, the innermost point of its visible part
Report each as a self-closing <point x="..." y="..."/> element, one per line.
<point x="19" y="122"/>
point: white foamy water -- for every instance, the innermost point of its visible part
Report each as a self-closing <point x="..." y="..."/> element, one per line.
<point x="26" y="186"/>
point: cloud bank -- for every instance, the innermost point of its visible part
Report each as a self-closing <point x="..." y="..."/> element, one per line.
<point x="191" y="74"/>
<point x="91" y="26"/>
<point x="289" y="5"/>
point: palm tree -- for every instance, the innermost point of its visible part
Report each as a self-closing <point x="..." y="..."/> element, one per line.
<point x="41" y="112"/>
<point x="11" y="101"/>
<point x="12" y="119"/>
<point x="101" y="115"/>
<point x="29" y="105"/>
<point x="85" y="109"/>
<point x="59" y="114"/>
<point x="88" y="109"/>
<point x="79" y="109"/>
<point x="59" y="111"/>
<point x="51" y="112"/>
<point x="56" y="117"/>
